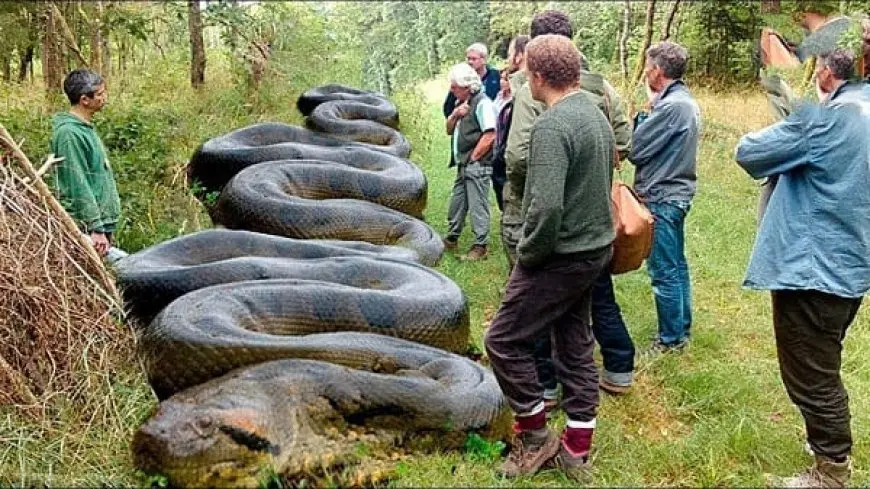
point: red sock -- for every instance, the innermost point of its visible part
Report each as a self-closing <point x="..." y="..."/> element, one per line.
<point x="531" y="423"/>
<point x="578" y="441"/>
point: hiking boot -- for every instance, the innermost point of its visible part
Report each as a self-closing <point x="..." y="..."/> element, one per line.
<point x="825" y="473"/>
<point x="575" y="467"/>
<point x="530" y="450"/>
<point x="449" y="244"/>
<point x="477" y="252"/>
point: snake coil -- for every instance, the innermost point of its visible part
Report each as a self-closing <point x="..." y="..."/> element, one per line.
<point x="323" y="260"/>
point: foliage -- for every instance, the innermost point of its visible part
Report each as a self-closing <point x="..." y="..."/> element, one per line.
<point x="16" y="23"/>
<point x="479" y="450"/>
<point x="721" y="38"/>
<point x="402" y="42"/>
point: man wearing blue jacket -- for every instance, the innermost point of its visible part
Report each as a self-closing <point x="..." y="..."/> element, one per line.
<point x="813" y="252"/>
<point x="665" y="149"/>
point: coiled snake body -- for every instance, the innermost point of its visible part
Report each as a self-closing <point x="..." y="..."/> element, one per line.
<point x="240" y="324"/>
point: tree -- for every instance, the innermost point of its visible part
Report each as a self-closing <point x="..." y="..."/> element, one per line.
<point x="97" y="39"/>
<point x="197" y="46"/>
<point x="722" y="38"/>
<point x="770" y="6"/>
<point x="647" y="40"/>
<point x="666" y="33"/>
<point x="52" y="68"/>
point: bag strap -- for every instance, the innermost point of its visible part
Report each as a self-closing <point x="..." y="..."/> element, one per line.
<point x="617" y="165"/>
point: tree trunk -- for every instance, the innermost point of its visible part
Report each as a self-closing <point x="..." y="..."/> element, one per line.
<point x="122" y="57"/>
<point x="51" y="55"/>
<point x="641" y="61"/>
<point x="67" y="34"/>
<point x="678" y="21"/>
<point x="673" y="13"/>
<point x="25" y="63"/>
<point x="770" y="7"/>
<point x="197" y="48"/>
<point x="7" y="68"/>
<point x="97" y="39"/>
<point x="623" y="40"/>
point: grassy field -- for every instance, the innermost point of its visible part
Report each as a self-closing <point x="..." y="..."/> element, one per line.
<point x="715" y="415"/>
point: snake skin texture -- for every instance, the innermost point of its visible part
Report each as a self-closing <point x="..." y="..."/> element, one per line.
<point x="313" y="323"/>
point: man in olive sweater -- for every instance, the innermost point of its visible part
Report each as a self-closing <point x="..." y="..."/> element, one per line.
<point x="608" y="326"/>
<point x="565" y="245"/>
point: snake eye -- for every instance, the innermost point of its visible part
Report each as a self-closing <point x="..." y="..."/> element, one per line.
<point x="204" y="423"/>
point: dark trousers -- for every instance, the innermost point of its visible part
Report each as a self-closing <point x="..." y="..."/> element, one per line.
<point x="551" y="300"/>
<point x="498" y="180"/>
<point x="608" y="327"/>
<point x="810" y="327"/>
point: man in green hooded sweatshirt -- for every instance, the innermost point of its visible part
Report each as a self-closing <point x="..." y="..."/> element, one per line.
<point x="83" y="181"/>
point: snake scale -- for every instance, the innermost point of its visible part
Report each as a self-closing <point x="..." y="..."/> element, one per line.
<point x="311" y="323"/>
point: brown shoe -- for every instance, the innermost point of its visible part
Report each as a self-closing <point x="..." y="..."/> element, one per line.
<point x="477" y="252"/>
<point x="449" y="244"/>
<point x="529" y="452"/>
<point x="613" y="389"/>
<point x="824" y="473"/>
<point x="575" y="468"/>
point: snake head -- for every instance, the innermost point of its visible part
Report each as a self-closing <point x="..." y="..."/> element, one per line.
<point x="201" y="445"/>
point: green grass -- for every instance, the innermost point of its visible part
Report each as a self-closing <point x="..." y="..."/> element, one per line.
<point x="715" y="415"/>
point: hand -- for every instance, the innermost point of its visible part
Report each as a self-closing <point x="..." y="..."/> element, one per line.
<point x="461" y="110"/>
<point x="100" y="242"/>
<point x="650" y="95"/>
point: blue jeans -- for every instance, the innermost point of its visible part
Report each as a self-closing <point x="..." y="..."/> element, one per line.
<point x="669" y="271"/>
<point x="617" y="349"/>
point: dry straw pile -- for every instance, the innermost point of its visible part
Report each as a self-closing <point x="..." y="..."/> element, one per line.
<point x="61" y="339"/>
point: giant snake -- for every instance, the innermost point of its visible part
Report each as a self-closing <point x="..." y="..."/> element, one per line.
<point x="313" y="323"/>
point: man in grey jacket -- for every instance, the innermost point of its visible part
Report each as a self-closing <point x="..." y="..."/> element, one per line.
<point x="665" y="148"/>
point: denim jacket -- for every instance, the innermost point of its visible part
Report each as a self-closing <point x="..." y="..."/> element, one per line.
<point x="665" y="147"/>
<point x="815" y="234"/>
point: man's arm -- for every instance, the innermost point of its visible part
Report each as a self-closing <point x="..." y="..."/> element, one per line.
<point x="484" y="145"/>
<point x="655" y="134"/>
<point x="458" y="113"/>
<point x="524" y="114"/>
<point x="485" y="114"/>
<point x="545" y="191"/>
<point x="779" y="95"/>
<point x="618" y="121"/>
<point x="774" y="150"/>
<point x="449" y="104"/>
<point x="73" y="189"/>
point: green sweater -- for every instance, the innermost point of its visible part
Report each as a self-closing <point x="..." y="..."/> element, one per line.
<point x="566" y="203"/>
<point x="83" y="181"/>
<point x="526" y="110"/>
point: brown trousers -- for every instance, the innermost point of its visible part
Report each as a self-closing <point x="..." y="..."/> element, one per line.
<point x="551" y="299"/>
